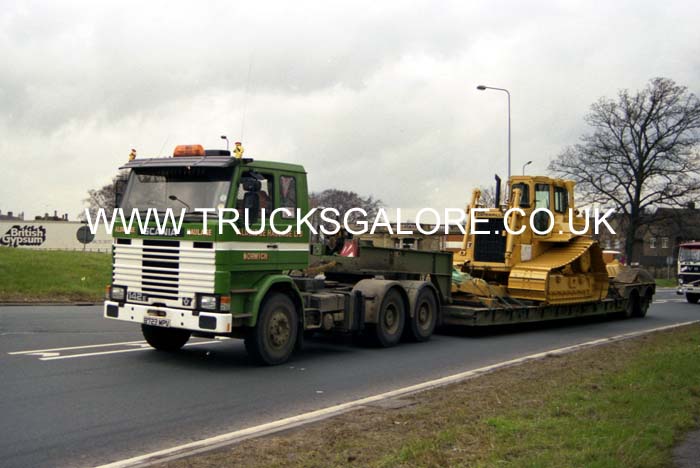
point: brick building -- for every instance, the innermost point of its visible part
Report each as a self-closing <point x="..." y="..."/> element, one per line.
<point x="658" y="241"/>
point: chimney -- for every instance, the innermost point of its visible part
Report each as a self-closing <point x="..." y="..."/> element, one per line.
<point x="9" y="213"/>
<point x="691" y="205"/>
<point x="55" y="214"/>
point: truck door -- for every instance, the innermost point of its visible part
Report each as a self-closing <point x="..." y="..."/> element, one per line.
<point x="256" y="197"/>
<point x="292" y="247"/>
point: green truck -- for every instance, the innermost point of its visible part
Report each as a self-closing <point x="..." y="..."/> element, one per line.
<point x="274" y="289"/>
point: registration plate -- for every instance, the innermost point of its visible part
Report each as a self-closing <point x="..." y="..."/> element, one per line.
<point x="136" y="296"/>
<point x="156" y="321"/>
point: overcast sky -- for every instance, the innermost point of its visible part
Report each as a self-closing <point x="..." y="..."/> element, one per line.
<point x="375" y="97"/>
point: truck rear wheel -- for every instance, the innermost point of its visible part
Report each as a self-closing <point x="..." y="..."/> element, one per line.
<point x="422" y="324"/>
<point x="272" y="340"/>
<point x="390" y="320"/>
<point x="692" y="298"/>
<point x="165" y="339"/>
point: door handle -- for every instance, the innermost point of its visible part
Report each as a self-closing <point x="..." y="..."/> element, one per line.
<point x="272" y="246"/>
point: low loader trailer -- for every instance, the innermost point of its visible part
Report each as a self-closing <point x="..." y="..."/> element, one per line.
<point x="273" y="290"/>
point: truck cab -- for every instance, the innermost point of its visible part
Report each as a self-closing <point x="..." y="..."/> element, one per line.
<point x="206" y="280"/>
<point x="689" y="271"/>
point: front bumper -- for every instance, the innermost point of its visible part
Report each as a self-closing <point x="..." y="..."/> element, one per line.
<point x="688" y="289"/>
<point x="207" y="322"/>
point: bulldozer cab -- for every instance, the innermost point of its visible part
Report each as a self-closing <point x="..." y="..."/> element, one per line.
<point x="540" y="196"/>
<point x="537" y="210"/>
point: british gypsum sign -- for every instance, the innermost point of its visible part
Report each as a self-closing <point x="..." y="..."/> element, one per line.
<point x="18" y="236"/>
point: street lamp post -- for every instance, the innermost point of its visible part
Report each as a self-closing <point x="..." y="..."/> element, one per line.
<point x="483" y="88"/>
<point x="525" y="165"/>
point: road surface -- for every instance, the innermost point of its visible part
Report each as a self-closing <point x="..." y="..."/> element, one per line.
<point x="78" y="390"/>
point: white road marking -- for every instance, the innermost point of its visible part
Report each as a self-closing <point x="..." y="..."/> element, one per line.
<point x="144" y="347"/>
<point x="44" y="355"/>
<point x="53" y="355"/>
<point x="210" y="443"/>
<point x="104" y="345"/>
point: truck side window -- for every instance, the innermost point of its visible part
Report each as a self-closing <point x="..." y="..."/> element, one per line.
<point x="541" y="219"/>
<point x="561" y="199"/>
<point x="524" y="194"/>
<point x="542" y="196"/>
<point x="255" y="194"/>
<point x="288" y="196"/>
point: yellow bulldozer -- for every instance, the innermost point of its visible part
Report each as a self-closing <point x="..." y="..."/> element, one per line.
<point x="536" y="247"/>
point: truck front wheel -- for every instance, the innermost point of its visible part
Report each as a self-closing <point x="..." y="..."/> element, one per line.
<point x="165" y="339"/>
<point x="692" y="298"/>
<point x="272" y="340"/>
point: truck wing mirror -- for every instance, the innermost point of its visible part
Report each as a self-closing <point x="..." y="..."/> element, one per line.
<point x="251" y="203"/>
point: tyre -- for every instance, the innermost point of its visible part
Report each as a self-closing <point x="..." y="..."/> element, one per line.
<point x="422" y="324"/>
<point x="692" y="298"/>
<point x="165" y="339"/>
<point x="644" y="303"/>
<point x="272" y="340"/>
<point x="390" y="320"/>
<point x="633" y="305"/>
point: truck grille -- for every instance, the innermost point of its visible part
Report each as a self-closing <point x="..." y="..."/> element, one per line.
<point x="490" y="247"/>
<point x="689" y="278"/>
<point x="164" y="271"/>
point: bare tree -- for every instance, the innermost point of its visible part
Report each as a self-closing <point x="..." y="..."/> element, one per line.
<point x="641" y="154"/>
<point x="343" y="201"/>
<point x="488" y="197"/>
<point x="103" y="197"/>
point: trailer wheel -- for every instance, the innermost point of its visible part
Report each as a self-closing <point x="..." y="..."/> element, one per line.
<point x="272" y="340"/>
<point x="390" y="320"/>
<point x="422" y="324"/>
<point x="692" y="298"/>
<point x="644" y="304"/>
<point x="633" y="305"/>
<point x="165" y="339"/>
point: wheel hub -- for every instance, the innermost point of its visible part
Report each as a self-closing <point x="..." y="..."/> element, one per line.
<point x="391" y="318"/>
<point x="279" y="329"/>
<point x="423" y="315"/>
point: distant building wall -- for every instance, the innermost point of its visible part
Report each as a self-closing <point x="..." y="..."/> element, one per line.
<point x="50" y="235"/>
<point x="11" y="216"/>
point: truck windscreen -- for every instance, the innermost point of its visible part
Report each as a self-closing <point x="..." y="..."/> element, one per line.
<point x="689" y="254"/>
<point x="177" y="188"/>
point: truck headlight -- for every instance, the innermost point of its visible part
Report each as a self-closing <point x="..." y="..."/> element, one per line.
<point x="118" y="293"/>
<point x="208" y="302"/>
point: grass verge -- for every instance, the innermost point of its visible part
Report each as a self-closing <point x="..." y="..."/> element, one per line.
<point x="618" y="405"/>
<point x="666" y="283"/>
<point x="52" y="276"/>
